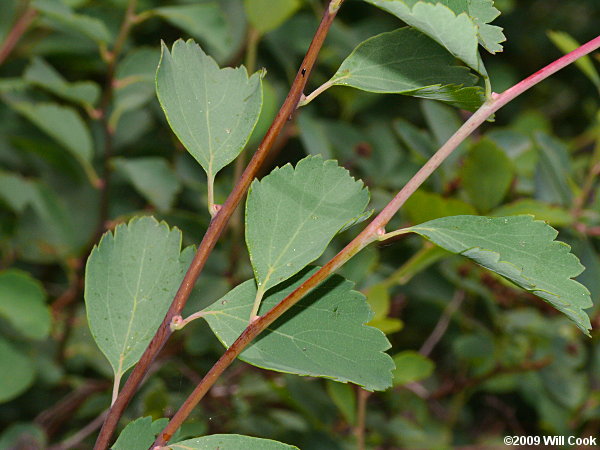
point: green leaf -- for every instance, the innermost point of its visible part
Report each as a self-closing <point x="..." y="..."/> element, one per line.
<point x="230" y="442"/>
<point x="344" y="397"/>
<point x="212" y="111"/>
<point x="135" y="81"/>
<point x="293" y="213"/>
<point x="554" y="215"/>
<point x="153" y="178"/>
<point x="16" y="191"/>
<point x="566" y="44"/>
<point x="322" y="335"/>
<point x="60" y="13"/>
<point x="16" y="372"/>
<point x="65" y="126"/>
<point x="423" y="206"/>
<point x="266" y="15"/>
<point x="457" y="32"/>
<point x="487" y="174"/>
<point x="42" y="74"/>
<point x="411" y="366"/>
<point x="523" y="251"/>
<point x="131" y="278"/>
<point x="554" y="168"/>
<point x="378" y="298"/>
<point x="408" y="62"/>
<point x="23" y="304"/>
<point x="139" y="434"/>
<point x="204" y="21"/>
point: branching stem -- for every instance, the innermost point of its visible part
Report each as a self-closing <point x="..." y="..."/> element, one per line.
<point x="216" y="227"/>
<point x="368" y="235"/>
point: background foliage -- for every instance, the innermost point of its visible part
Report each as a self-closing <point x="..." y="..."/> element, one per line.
<point x="477" y="359"/>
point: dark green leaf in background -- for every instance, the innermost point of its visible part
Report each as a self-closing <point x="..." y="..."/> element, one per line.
<point x="266" y="15"/>
<point x="408" y="62"/>
<point x="522" y="250"/>
<point x="322" y="335"/>
<point x="63" y="16"/>
<point x="42" y="74"/>
<point x="23" y="304"/>
<point x="17" y="371"/>
<point x="487" y="174"/>
<point x="153" y="178"/>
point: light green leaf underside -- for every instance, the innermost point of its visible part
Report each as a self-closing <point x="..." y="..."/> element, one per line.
<point x="552" y="214"/>
<point x="457" y="33"/>
<point x="153" y="178"/>
<point x="406" y="61"/>
<point x="23" y="304"/>
<point x="16" y="371"/>
<point x="520" y="249"/>
<point x="212" y="111"/>
<point x="65" y="126"/>
<point x="322" y="335"/>
<point x="42" y="74"/>
<point x="230" y="442"/>
<point x="131" y="278"/>
<point x="63" y="15"/>
<point x="139" y="434"/>
<point x="293" y="213"/>
<point x="266" y="15"/>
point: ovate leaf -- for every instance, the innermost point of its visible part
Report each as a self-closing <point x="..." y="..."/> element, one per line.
<point x="230" y="442"/>
<point x="212" y="111"/>
<point x="42" y="74"/>
<point x="293" y="213"/>
<point x="406" y="61"/>
<point x="139" y="434"/>
<point x="266" y="15"/>
<point x="486" y="175"/>
<point x="411" y="367"/>
<point x="65" y="126"/>
<point x="23" y="304"/>
<point x="17" y="371"/>
<point x="520" y="249"/>
<point x="323" y="335"/>
<point x="131" y="278"/>
<point x="64" y="16"/>
<point x="457" y="32"/>
<point x="153" y="178"/>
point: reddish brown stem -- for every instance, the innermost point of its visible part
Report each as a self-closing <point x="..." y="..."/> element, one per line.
<point x="15" y="34"/>
<point x="372" y="232"/>
<point x="215" y="229"/>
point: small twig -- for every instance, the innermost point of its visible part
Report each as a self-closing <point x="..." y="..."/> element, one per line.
<point x="361" y="414"/>
<point x="216" y="227"/>
<point x="368" y="235"/>
<point x="463" y="385"/>
<point x="78" y="437"/>
<point x="442" y="325"/>
<point x="15" y="34"/>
